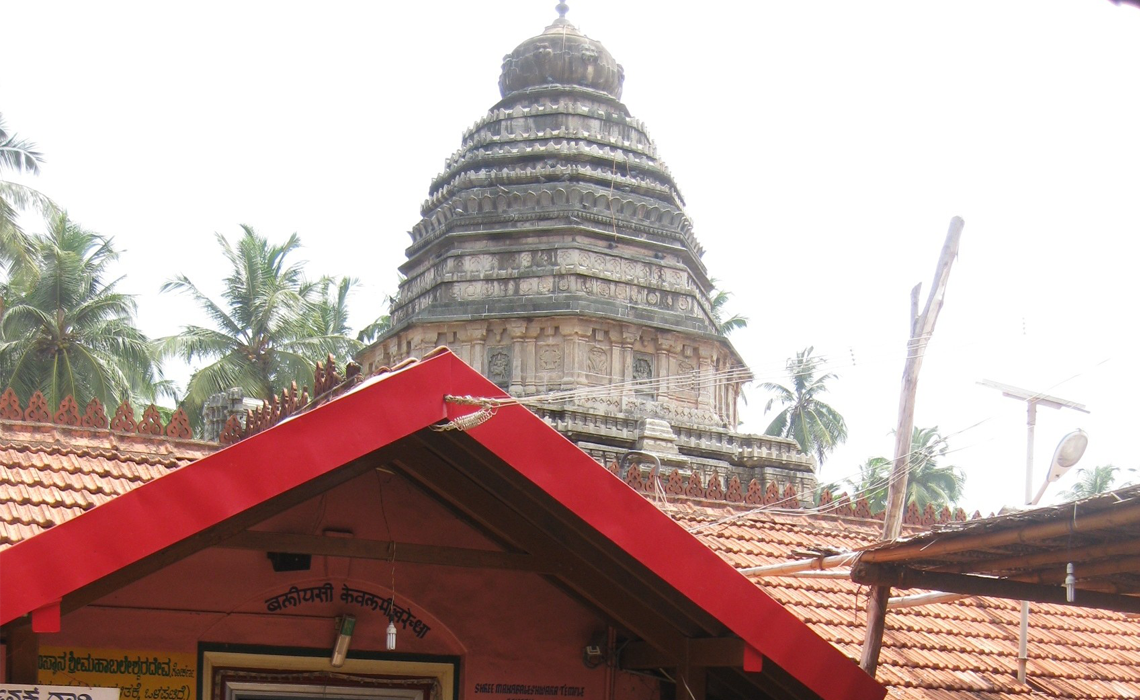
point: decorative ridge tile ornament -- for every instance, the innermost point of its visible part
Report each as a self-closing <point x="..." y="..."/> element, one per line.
<point x="714" y="489"/>
<point x="94" y="416"/>
<point x="328" y="383"/>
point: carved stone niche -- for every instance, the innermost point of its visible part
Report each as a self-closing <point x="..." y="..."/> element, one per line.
<point x="643" y="375"/>
<point x="549" y="359"/>
<point x="499" y="366"/>
<point x="598" y="364"/>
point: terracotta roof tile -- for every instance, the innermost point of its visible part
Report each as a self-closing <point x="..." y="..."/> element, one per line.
<point x="965" y="650"/>
<point x="949" y="651"/>
<point x="50" y="474"/>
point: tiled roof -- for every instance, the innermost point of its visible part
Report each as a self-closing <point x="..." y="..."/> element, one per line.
<point x="52" y="473"/>
<point x="696" y="595"/>
<point x="943" y="651"/>
<point x="964" y="650"/>
<point x="57" y="464"/>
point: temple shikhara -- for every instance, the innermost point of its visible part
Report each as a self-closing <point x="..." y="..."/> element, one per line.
<point x="530" y="487"/>
<point x="555" y="256"/>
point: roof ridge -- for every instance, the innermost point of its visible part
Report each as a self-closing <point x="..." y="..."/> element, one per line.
<point x="115" y="453"/>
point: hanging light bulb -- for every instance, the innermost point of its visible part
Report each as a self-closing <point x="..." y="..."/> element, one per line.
<point x="1070" y="583"/>
<point x="392" y="634"/>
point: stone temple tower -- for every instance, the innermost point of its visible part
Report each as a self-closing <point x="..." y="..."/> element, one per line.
<point x="555" y="256"/>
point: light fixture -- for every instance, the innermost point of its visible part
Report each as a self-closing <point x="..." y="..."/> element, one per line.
<point x="1069" y="451"/>
<point x="594" y="653"/>
<point x="1070" y="583"/>
<point x="391" y="635"/>
<point x="344" y="627"/>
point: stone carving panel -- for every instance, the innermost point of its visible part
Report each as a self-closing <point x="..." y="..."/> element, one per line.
<point x="643" y="375"/>
<point x="686" y="384"/>
<point x="549" y="358"/>
<point x="598" y="362"/>
<point x="499" y="366"/>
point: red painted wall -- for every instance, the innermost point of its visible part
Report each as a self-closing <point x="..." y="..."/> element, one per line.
<point x="507" y="627"/>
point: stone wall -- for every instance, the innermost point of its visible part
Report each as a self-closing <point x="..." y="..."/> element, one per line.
<point x="612" y="368"/>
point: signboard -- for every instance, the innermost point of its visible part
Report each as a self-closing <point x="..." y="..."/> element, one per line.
<point x="13" y="691"/>
<point x="139" y="675"/>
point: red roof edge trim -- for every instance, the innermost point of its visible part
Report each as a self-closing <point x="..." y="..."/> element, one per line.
<point x="38" y="571"/>
<point x="606" y="503"/>
<point x="59" y="561"/>
<point x="753" y="660"/>
<point x="46" y="619"/>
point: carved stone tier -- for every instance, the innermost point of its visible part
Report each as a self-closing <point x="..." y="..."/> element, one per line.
<point x="556" y="203"/>
<point x="554" y="254"/>
<point x="617" y="369"/>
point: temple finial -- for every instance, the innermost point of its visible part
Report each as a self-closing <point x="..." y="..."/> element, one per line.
<point x="562" y="8"/>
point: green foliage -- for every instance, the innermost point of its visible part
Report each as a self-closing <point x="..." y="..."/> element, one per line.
<point x="66" y="330"/>
<point x="270" y="328"/>
<point x="375" y="329"/>
<point x="719" y="300"/>
<point x="874" y="475"/>
<point x="927" y="480"/>
<point x="1090" y="482"/>
<point x="17" y="249"/>
<point x="815" y="426"/>
<point x="327" y="312"/>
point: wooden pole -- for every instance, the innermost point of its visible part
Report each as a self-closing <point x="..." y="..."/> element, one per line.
<point x="23" y="652"/>
<point x="791" y="567"/>
<point x="921" y="328"/>
<point x="887" y="575"/>
<point x="877" y="602"/>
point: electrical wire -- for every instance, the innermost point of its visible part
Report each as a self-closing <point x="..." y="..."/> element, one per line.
<point x="877" y="486"/>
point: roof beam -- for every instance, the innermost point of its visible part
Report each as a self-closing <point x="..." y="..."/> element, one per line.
<point x="1032" y="561"/>
<point x="1118" y="515"/>
<point x="708" y="652"/>
<point x="219" y="532"/>
<point x="902" y="577"/>
<point x="541" y="510"/>
<point x="402" y="552"/>
<point x="467" y="496"/>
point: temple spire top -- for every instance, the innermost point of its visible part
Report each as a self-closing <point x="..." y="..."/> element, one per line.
<point x="562" y="8"/>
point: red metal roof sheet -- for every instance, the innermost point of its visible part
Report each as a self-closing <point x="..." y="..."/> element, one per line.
<point x="44" y="568"/>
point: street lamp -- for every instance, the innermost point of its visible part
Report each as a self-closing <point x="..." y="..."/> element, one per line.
<point x="1068" y="452"/>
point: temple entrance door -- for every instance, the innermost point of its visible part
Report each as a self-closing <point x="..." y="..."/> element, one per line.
<point x="290" y="691"/>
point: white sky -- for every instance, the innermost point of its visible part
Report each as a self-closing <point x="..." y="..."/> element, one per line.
<point x="822" y="147"/>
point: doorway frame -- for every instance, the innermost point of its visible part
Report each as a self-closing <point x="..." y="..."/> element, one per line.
<point x="444" y="669"/>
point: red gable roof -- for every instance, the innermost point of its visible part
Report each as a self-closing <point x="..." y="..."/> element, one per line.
<point x="42" y="570"/>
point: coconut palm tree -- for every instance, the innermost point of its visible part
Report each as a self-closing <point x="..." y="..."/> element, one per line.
<point x="375" y="329"/>
<point x="872" y="484"/>
<point x="17" y="250"/>
<point x="719" y="300"/>
<point x="270" y="327"/>
<point x="328" y="309"/>
<point x="927" y="480"/>
<point x="1091" y="482"/>
<point x="68" y="331"/>
<point x="816" y="427"/>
